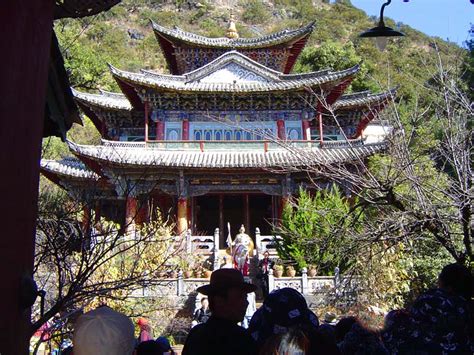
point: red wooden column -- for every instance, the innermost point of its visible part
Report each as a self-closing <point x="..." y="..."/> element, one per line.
<point x="185" y="134"/>
<point x="247" y="213"/>
<point x="97" y="212"/>
<point x="26" y="28"/>
<point x="143" y="212"/>
<point x="222" y="234"/>
<point x="320" y="129"/>
<point x="281" y="129"/>
<point x="182" y="215"/>
<point x="160" y="130"/>
<point x="130" y="215"/>
<point x="147" y="109"/>
<point x="86" y="218"/>
<point x="306" y="130"/>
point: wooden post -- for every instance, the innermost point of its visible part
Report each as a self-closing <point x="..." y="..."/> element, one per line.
<point x="281" y="129"/>
<point x="246" y="212"/>
<point x="130" y="215"/>
<point x="146" y="120"/>
<point x="86" y="219"/>
<point x="185" y="134"/>
<point x="160" y="130"/>
<point x="306" y="130"/>
<point x="182" y="215"/>
<point x="143" y="212"/>
<point x="321" y="132"/>
<point x="222" y="232"/>
<point x="25" y="47"/>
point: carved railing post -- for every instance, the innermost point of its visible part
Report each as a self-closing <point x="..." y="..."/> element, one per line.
<point x="271" y="281"/>
<point x="304" y="281"/>
<point x="258" y="240"/>
<point x="216" y="239"/>
<point x="216" y="249"/>
<point x="188" y="241"/>
<point x="337" y="282"/>
<point x="180" y="283"/>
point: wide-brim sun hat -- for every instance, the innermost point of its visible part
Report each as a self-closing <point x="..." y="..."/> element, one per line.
<point x="224" y="279"/>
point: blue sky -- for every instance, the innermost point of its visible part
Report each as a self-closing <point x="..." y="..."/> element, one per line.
<point x="443" y="18"/>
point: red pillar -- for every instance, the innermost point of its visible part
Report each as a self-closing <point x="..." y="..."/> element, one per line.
<point x="146" y="120"/>
<point x="321" y="131"/>
<point x="143" y="212"/>
<point x="160" y="131"/>
<point x="26" y="28"/>
<point x="306" y="130"/>
<point x="86" y="219"/>
<point x="130" y="215"/>
<point x="281" y="129"/>
<point x="182" y="215"/>
<point x="185" y="135"/>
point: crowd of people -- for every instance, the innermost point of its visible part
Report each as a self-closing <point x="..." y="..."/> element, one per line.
<point x="440" y="321"/>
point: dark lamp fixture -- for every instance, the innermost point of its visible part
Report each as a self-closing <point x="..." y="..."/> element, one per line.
<point x="381" y="32"/>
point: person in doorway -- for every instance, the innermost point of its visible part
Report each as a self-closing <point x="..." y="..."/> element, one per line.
<point x="202" y="314"/>
<point x="227" y="294"/>
<point x="264" y="266"/>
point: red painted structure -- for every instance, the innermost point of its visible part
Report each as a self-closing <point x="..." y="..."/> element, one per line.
<point x="26" y="28"/>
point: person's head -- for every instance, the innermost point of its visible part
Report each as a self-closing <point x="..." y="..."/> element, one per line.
<point x="164" y="343"/>
<point x="204" y="303"/>
<point x="149" y="347"/>
<point x="344" y="326"/>
<point x="266" y="254"/>
<point x="397" y="318"/>
<point x="103" y="331"/>
<point x="227" y="294"/>
<point x="456" y="279"/>
<point x="294" y="342"/>
<point x="242" y="229"/>
<point x="282" y="310"/>
<point x="361" y="340"/>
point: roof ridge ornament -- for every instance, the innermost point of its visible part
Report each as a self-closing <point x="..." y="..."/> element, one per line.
<point x="232" y="29"/>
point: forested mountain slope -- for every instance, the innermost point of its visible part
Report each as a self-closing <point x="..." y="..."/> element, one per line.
<point x="124" y="38"/>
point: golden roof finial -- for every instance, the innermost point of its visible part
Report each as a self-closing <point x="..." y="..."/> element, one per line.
<point x="232" y="29"/>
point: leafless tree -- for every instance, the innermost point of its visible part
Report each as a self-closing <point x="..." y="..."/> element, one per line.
<point x="420" y="186"/>
<point x="76" y="268"/>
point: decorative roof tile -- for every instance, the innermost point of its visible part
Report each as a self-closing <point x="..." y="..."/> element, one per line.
<point x="273" y="39"/>
<point x="193" y="81"/>
<point x="70" y="167"/>
<point x="105" y="99"/>
<point x="293" y="156"/>
<point x="362" y="98"/>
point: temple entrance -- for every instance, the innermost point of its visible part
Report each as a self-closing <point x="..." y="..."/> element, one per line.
<point x="216" y="210"/>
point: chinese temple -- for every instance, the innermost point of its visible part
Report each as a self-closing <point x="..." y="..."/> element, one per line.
<point x="227" y="136"/>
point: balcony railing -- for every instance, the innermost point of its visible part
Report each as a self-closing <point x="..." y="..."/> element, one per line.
<point x="265" y="145"/>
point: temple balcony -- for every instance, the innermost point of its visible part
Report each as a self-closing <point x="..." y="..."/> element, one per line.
<point x="242" y="145"/>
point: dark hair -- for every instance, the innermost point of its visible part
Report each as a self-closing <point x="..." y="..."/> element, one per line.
<point x="344" y="326"/>
<point x="149" y="347"/>
<point x="458" y="279"/>
<point x="294" y="341"/>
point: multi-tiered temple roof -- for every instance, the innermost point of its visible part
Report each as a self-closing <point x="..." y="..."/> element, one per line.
<point x="185" y="51"/>
<point x="229" y="117"/>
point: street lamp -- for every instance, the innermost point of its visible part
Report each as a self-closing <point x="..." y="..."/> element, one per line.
<point x="381" y="32"/>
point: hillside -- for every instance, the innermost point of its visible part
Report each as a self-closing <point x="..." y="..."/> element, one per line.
<point x="123" y="37"/>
